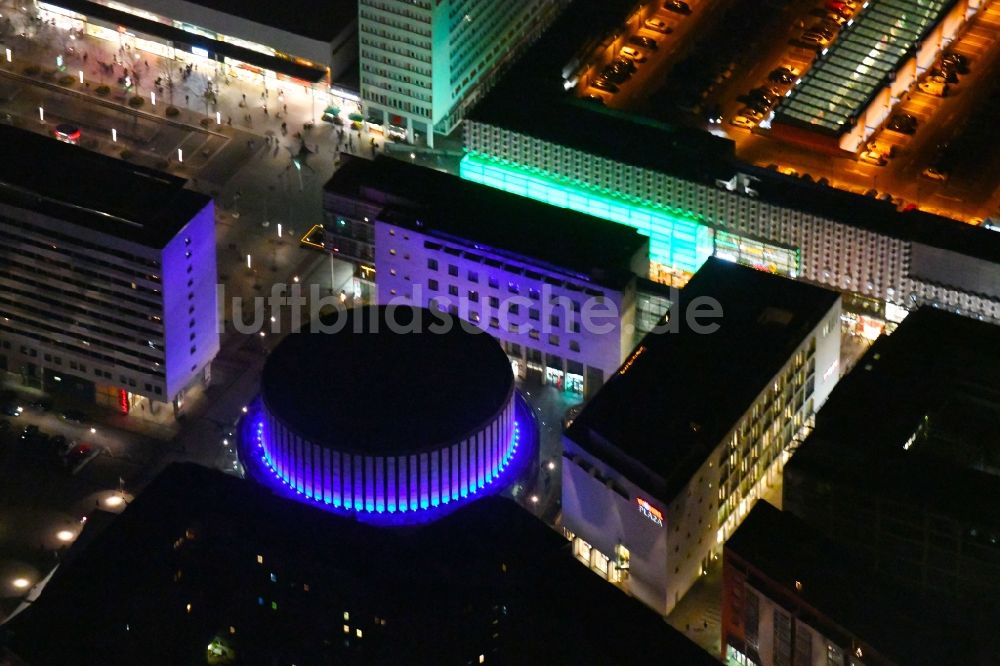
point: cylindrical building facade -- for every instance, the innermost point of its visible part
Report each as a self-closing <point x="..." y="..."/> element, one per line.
<point x="373" y="418"/>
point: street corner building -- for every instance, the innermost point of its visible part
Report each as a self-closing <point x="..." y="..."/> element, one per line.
<point x="107" y="275"/>
<point x="400" y="415"/>
<point x="663" y="464"/>
<point x="524" y="272"/>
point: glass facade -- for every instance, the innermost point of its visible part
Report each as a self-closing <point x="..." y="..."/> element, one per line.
<point x="676" y="238"/>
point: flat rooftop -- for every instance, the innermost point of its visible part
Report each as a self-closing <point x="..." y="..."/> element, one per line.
<point x="935" y="380"/>
<point x="862" y="60"/>
<point x="100" y="193"/>
<point x="443" y="205"/>
<point x="442" y="589"/>
<point x="779" y="550"/>
<point x="416" y="396"/>
<point x="672" y="402"/>
<point x="532" y="101"/>
<point x="316" y="20"/>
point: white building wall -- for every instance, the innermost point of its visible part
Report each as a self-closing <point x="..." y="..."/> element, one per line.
<point x="833" y="254"/>
<point x="403" y="268"/>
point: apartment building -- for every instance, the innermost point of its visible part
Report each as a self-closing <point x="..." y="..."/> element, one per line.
<point x="496" y="260"/>
<point x="663" y="464"/>
<point x="107" y="275"/>
<point x="424" y="62"/>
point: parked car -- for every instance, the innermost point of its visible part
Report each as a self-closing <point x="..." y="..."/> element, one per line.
<point x="592" y="97"/>
<point x="633" y="53"/>
<point x="959" y="61"/>
<point x="657" y="25"/>
<point x="77" y="455"/>
<point x="932" y="87"/>
<point x="677" y="6"/>
<point x="615" y="74"/>
<point x="873" y="157"/>
<point x="904" y="123"/>
<point x="625" y="63"/>
<point x="605" y="85"/>
<point x="645" y="42"/>
<point x="713" y="114"/>
<point x="944" y="74"/>
<point x="741" y="120"/>
<point x="781" y="75"/>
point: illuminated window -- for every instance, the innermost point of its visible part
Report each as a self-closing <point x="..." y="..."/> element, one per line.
<point x="358" y="633"/>
<point x="347" y="629"/>
<point x="260" y="559"/>
<point x="347" y="616"/>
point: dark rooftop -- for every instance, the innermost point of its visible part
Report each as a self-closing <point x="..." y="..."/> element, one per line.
<point x="488" y="579"/>
<point x="101" y="193"/>
<point x="440" y="204"/>
<point x="531" y="100"/>
<point x="935" y="379"/>
<point x="316" y="20"/>
<point x="367" y="389"/>
<point x="672" y="402"/>
<point x="841" y="596"/>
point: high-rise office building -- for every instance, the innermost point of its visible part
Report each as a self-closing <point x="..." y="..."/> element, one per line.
<point x="107" y="274"/>
<point x="424" y="62"/>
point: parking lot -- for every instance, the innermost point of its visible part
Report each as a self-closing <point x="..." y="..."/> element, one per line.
<point x="725" y="66"/>
<point x="55" y="471"/>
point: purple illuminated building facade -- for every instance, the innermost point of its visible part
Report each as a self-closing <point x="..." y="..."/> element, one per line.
<point x="378" y="420"/>
<point x="108" y="284"/>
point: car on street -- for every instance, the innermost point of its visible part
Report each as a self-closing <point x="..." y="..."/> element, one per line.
<point x="678" y="6"/>
<point x="67" y="133"/>
<point x="11" y="409"/>
<point x="713" y="114"/>
<point x="873" y="157"/>
<point x="633" y="53"/>
<point x="934" y="87"/>
<point x="40" y="405"/>
<point x="904" y="123"/>
<point x="30" y="432"/>
<point x="935" y="172"/>
<point x="73" y="416"/>
<point x="605" y="85"/>
<point x="657" y="25"/>
<point x="645" y="42"/>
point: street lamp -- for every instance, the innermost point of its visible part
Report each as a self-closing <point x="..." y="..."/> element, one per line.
<point x="9" y="56"/>
<point x="20" y="583"/>
<point x="81" y="76"/>
<point x="41" y="114"/>
<point x="114" y="135"/>
<point x="152" y="97"/>
<point x="180" y="155"/>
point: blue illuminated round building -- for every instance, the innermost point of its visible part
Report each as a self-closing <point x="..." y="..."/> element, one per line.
<point x="391" y="411"/>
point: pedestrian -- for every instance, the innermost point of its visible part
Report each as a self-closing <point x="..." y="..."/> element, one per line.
<point x="85" y="56"/>
<point x="285" y="107"/>
<point x="244" y="98"/>
<point x="265" y="110"/>
<point x="187" y="100"/>
<point x="229" y="121"/>
<point x="147" y="63"/>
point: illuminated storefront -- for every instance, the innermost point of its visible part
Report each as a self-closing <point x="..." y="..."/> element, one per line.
<point x="141" y="30"/>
